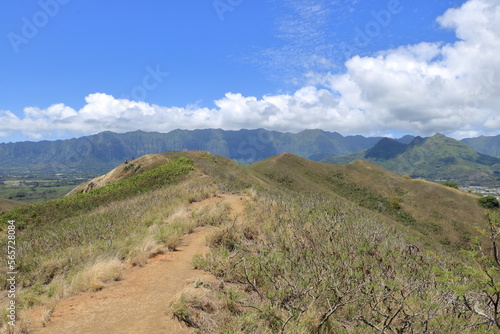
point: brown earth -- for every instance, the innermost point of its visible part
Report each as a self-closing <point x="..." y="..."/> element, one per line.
<point x="139" y="303"/>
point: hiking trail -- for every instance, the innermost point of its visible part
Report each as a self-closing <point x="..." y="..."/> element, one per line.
<point x="139" y="302"/>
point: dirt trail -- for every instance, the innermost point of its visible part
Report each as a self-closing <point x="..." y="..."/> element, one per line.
<point x="139" y="302"/>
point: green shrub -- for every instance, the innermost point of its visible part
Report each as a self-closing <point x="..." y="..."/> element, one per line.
<point x="489" y="202"/>
<point x="450" y="184"/>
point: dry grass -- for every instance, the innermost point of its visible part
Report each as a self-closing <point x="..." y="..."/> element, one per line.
<point x="149" y="247"/>
<point x="440" y="214"/>
<point x="7" y="205"/>
<point x="212" y="308"/>
<point x="225" y="236"/>
<point x="303" y="256"/>
<point x="213" y="214"/>
<point x="195" y="307"/>
<point x="21" y="327"/>
<point x="98" y="275"/>
<point x="289" y="235"/>
<point x="86" y="250"/>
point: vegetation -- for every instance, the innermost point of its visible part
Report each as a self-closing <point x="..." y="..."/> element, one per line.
<point x="54" y="211"/>
<point x="7" y="205"/>
<point x="434" y="158"/>
<point x="314" y="264"/>
<point x="489" y="202"/>
<point x="484" y="273"/>
<point x="321" y="248"/>
<point x="485" y="144"/>
<point x="434" y="213"/>
<point x="450" y="184"/>
<point x="85" y="242"/>
<point x="36" y="190"/>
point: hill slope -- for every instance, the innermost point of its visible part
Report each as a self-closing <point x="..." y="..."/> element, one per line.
<point x="489" y="145"/>
<point x="319" y="248"/>
<point x="435" y="158"/>
<point x="449" y="215"/>
<point x="8" y="205"/>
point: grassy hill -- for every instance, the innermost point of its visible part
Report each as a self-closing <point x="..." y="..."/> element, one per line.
<point x="434" y="158"/>
<point x="8" y="205"/>
<point x="449" y="215"/>
<point x="321" y="249"/>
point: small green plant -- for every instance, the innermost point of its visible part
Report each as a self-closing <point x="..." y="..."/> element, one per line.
<point x="395" y="204"/>
<point x="200" y="262"/>
<point x="180" y="310"/>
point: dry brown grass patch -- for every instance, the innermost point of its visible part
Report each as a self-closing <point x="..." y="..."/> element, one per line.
<point x="98" y="275"/>
<point x="149" y="247"/>
<point x="196" y="307"/>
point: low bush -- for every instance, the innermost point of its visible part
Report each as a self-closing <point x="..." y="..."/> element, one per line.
<point x="489" y="202"/>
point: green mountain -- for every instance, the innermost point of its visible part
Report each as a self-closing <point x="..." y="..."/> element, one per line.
<point x="489" y="145"/>
<point x="318" y="248"/>
<point x="97" y="154"/>
<point x="434" y="158"/>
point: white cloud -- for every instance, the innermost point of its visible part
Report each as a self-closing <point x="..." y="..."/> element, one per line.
<point x="427" y="88"/>
<point x="308" y="107"/>
<point x="419" y="89"/>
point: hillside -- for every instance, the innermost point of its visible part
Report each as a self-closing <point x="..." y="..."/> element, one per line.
<point x="489" y="145"/>
<point x="8" y="205"/>
<point x="122" y="172"/>
<point x="448" y="215"/>
<point x="434" y="158"/>
<point x="98" y="154"/>
<point x="295" y="246"/>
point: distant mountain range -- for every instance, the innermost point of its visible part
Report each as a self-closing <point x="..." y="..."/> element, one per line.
<point x="485" y="144"/>
<point x="97" y="154"/>
<point x="437" y="158"/>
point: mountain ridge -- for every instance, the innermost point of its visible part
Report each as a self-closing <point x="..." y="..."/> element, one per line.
<point x="97" y="154"/>
<point x="489" y="145"/>
<point x="436" y="158"/>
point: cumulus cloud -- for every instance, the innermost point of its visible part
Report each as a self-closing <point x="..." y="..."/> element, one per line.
<point x="420" y="89"/>
<point x="307" y="107"/>
<point x="427" y="88"/>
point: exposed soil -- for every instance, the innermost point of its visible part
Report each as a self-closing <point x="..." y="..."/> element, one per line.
<point x="139" y="303"/>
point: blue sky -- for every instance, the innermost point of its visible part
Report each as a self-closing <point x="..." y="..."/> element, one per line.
<point x="383" y="67"/>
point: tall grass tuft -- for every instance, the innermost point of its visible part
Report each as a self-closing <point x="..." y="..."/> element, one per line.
<point x="98" y="275"/>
